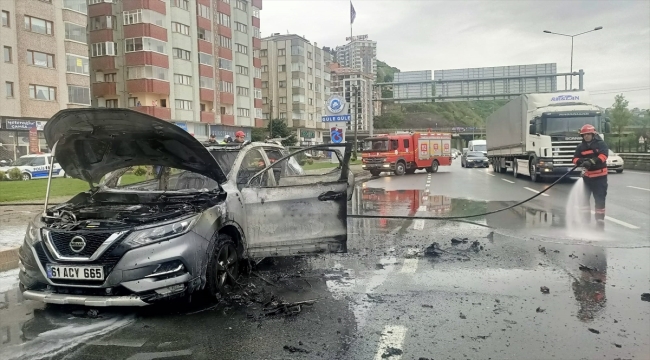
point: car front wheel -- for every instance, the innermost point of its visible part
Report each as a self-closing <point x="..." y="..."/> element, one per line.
<point x="26" y="177"/>
<point x="223" y="267"/>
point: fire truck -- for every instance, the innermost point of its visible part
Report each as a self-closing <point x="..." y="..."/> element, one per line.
<point x="404" y="153"/>
<point x="403" y="202"/>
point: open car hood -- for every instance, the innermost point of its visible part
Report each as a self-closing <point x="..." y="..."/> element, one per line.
<point x="95" y="141"/>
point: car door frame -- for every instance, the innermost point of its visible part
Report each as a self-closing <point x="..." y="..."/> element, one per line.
<point x="287" y="208"/>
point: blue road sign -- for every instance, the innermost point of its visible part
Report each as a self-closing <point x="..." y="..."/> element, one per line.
<point x="336" y="135"/>
<point x="337" y="118"/>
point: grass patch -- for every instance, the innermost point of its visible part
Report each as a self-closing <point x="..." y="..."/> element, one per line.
<point x="35" y="189"/>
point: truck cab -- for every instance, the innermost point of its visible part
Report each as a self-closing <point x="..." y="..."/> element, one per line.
<point x="478" y="146"/>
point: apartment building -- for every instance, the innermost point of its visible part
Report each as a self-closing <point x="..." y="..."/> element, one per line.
<point x="359" y="54"/>
<point x="356" y="87"/>
<point x="193" y="62"/>
<point x="44" y="67"/>
<point x="295" y="84"/>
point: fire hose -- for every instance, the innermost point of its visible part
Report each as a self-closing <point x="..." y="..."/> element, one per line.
<point x="359" y="216"/>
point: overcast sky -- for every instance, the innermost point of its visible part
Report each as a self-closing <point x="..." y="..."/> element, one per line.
<point x="436" y="35"/>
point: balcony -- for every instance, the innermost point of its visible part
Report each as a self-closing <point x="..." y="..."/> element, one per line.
<point x="147" y="86"/>
<point x="227" y="119"/>
<point x="257" y="43"/>
<point x="104" y="89"/>
<point x="299" y="123"/>
<point x="260" y="123"/>
<point x="157" y="111"/>
<point x="207" y="117"/>
<point x="226" y="98"/>
<point x="206" y="94"/>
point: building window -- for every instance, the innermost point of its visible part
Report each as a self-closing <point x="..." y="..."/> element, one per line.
<point x="226" y="86"/>
<point x="78" y="95"/>
<point x="265" y="84"/>
<point x="283" y="100"/>
<point x="258" y="113"/>
<point x="37" y="25"/>
<point x="180" y="28"/>
<point x="204" y="34"/>
<point x="310" y="86"/>
<point x="7" y="54"/>
<point x="310" y="71"/>
<point x="256" y="33"/>
<point x="258" y="93"/>
<point x="182" y="79"/>
<point x="317" y="87"/>
<point x="145" y="44"/>
<point x="103" y="48"/>
<point x="112" y="103"/>
<point x="311" y="116"/>
<point x="282" y="52"/>
<point x="264" y="53"/>
<point x="110" y="77"/>
<point x="258" y="73"/>
<point x="309" y="56"/>
<point x="77" y="64"/>
<point x="206" y="59"/>
<point x="242" y="70"/>
<point x="181" y="54"/>
<point x="39" y="92"/>
<point x="265" y="100"/>
<point x="283" y="115"/>
<point x="241" y="5"/>
<point x="243" y="112"/>
<point x="206" y="82"/>
<point x="256" y="12"/>
<point x="310" y="101"/>
<point x="146" y="72"/>
<point x="5" y="19"/>
<point x="101" y="22"/>
<point x="241" y="27"/>
<point x="225" y="42"/>
<point x="224" y="20"/>
<point x="184" y="104"/>
<point x="241" y="48"/>
<point x="203" y="11"/>
<point x="282" y="84"/>
<point x="183" y="4"/>
<point x="9" y="89"/>
<point x="225" y="64"/>
<point x="242" y="91"/>
<point x="265" y="68"/>
<point x="132" y="17"/>
<point x="40" y="59"/>
<point x="282" y="68"/>
<point x="75" y="32"/>
<point x="266" y="116"/>
<point x="226" y="1"/>
<point x="298" y="83"/>
<point x="91" y="2"/>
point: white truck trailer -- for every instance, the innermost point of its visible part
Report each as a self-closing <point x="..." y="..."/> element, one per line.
<point x="536" y="134"/>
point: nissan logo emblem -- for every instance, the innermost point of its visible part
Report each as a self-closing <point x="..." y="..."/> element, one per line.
<point x="77" y="244"/>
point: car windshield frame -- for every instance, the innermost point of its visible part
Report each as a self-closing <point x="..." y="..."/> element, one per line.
<point x="475" y="154"/>
<point x="110" y="183"/>
<point x="24" y="161"/>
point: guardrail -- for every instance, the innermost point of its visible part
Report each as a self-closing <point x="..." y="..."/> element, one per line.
<point x="636" y="161"/>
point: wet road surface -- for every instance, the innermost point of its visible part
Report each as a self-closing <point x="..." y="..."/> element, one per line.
<point x="395" y="295"/>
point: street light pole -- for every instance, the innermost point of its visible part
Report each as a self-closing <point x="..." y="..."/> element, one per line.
<point x="572" y="36"/>
<point x="356" y="126"/>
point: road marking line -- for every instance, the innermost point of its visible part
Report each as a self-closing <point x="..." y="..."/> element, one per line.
<point x="392" y="336"/>
<point x="634" y="187"/>
<point x="418" y="224"/>
<point x="622" y="223"/>
<point x="410" y="266"/>
<point x="512" y="182"/>
<point x="490" y="174"/>
<point x="535" y="191"/>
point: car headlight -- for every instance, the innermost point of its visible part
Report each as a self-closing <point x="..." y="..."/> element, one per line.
<point x="161" y="232"/>
<point x="32" y="235"/>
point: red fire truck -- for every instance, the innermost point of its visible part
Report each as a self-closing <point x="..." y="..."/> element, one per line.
<point x="403" y="153"/>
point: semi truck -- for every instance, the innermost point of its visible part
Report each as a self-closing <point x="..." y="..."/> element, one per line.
<point x="404" y="153"/>
<point x="536" y="134"/>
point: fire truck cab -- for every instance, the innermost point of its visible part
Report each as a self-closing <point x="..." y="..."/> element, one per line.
<point x="404" y="153"/>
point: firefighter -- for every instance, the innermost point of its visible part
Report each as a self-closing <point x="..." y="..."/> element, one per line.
<point x="591" y="154"/>
<point x="240" y="136"/>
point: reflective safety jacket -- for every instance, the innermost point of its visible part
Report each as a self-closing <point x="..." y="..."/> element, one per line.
<point x="597" y="150"/>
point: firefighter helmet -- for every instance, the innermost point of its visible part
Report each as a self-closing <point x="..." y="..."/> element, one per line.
<point x="588" y="129"/>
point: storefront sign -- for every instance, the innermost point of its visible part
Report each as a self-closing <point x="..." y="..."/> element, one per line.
<point x="307" y="134"/>
<point x="15" y="124"/>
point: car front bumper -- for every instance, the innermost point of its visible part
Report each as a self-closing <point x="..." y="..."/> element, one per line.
<point x="379" y="167"/>
<point x="128" y="281"/>
<point x="617" y="166"/>
<point x="477" y="164"/>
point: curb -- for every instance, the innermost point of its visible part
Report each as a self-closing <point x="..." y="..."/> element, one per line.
<point x="8" y="259"/>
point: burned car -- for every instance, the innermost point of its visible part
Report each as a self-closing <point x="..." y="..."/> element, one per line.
<point x="187" y="226"/>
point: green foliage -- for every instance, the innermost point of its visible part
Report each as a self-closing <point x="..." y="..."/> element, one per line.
<point x="139" y="171"/>
<point x="389" y="121"/>
<point x="620" y="115"/>
<point x="2" y="176"/>
<point x="278" y="129"/>
<point x="15" y="174"/>
<point x="258" y="134"/>
<point x="385" y="73"/>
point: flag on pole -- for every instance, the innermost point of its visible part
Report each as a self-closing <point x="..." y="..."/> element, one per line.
<point x="353" y="14"/>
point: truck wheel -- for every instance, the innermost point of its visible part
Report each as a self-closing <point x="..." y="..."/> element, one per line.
<point x="400" y="168"/>
<point x="515" y="170"/>
<point x="375" y="172"/>
<point x="533" y="172"/>
<point x="434" y="166"/>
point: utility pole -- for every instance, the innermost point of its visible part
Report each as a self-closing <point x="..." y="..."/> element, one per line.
<point x="271" y="119"/>
<point x="572" y="36"/>
<point x="356" y="126"/>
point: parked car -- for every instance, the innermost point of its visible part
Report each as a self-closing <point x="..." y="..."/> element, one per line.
<point x="615" y="162"/>
<point x="36" y="166"/>
<point x="474" y="159"/>
<point x="188" y="228"/>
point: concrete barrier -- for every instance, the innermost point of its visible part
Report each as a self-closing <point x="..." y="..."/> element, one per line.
<point x="636" y="161"/>
<point x="8" y="259"/>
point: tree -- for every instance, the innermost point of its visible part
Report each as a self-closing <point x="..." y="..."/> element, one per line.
<point x="278" y="129"/>
<point x="621" y="116"/>
<point x="258" y="134"/>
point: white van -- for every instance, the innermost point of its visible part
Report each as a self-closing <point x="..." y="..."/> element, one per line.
<point x="35" y="167"/>
<point x="477" y="145"/>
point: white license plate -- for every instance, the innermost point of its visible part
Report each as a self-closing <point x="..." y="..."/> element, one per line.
<point x="75" y="272"/>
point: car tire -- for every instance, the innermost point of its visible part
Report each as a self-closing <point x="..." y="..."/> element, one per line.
<point x="619" y="171"/>
<point x="26" y="177"/>
<point x="224" y="256"/>
<point x="375" y="172"/>
<point x="400" y="168"/>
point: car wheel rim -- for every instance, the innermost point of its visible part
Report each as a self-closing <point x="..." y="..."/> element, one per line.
<point x="227" y="262"/>
<point x="25" y="177"/>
